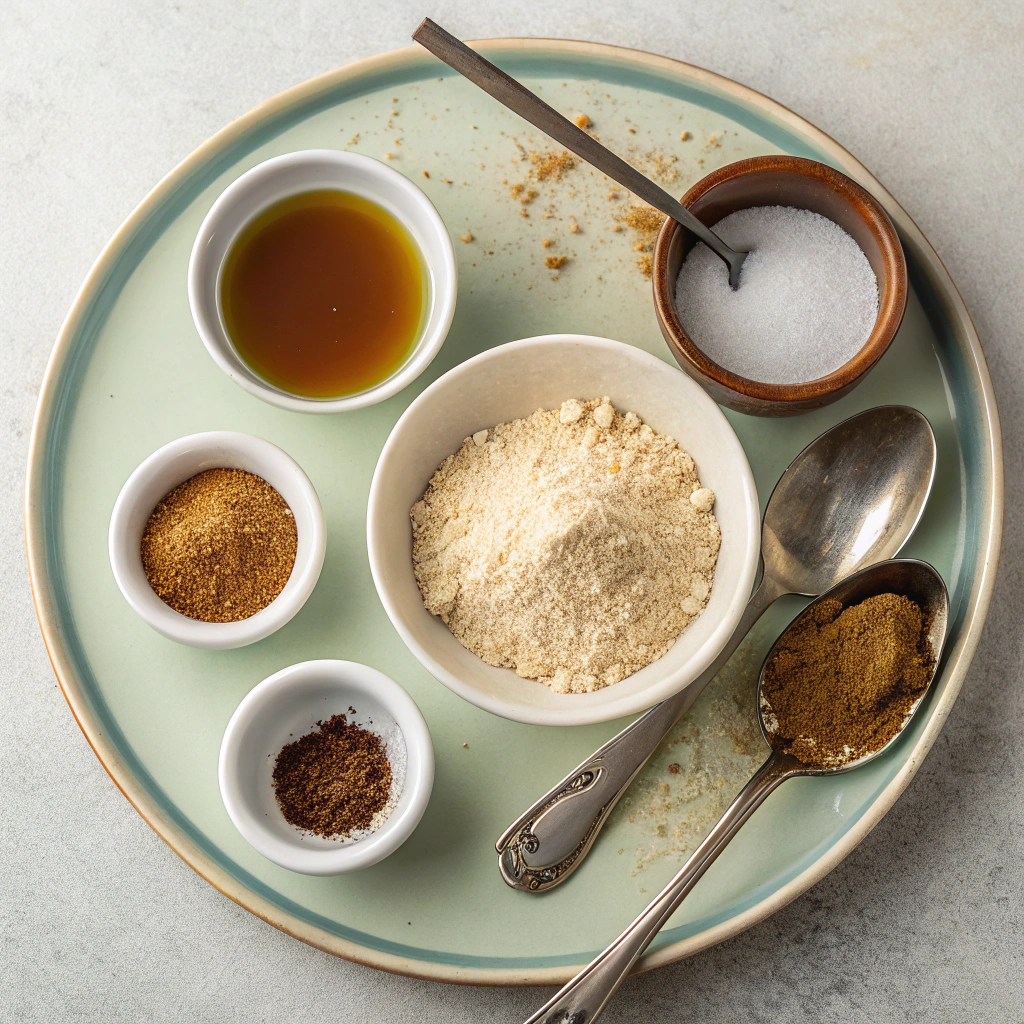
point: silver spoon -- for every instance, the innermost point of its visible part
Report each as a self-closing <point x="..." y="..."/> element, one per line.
<point x="850" y="498"/>
<point x="588" y="993"/>
<point x="456" y="54"/>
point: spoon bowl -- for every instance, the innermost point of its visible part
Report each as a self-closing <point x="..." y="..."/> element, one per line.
<point x="907" y="576"/>
<point x="852" y="497"/>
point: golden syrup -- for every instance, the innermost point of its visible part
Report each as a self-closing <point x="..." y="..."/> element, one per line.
<point x="324" y="294"/>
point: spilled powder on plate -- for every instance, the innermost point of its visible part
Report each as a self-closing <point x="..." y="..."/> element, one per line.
<point x="806" y="304"/>
<point x="706" y="759"/>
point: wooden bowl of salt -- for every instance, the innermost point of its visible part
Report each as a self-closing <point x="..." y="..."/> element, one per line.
<point x="806" y="323"/>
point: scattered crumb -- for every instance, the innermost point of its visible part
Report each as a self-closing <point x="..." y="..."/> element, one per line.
<point x="389" y="156"/>
<point x="426" y="174"/>
<point x="354" y="139"/>
<point x="646" y="222"/>
<point x="517" y="189"/>
<point x="551" y="165"/>
<point x="554" y="262"/>
<point x="467" y="236"/>
<point x="524" y="213"/>
<point x="447" y="181"/>
<point x="708" y="756"/>
<point x="583" y="121"/>
<point x="613" y="195"/>
<point x="632" y="131"/>
<point x="465" y="746"/>
<point x="616" y="228"/>
<point x="546" y="243"/>
<point x="683" y="136"/>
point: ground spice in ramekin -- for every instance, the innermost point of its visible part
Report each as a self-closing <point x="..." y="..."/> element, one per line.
<point x="334" y="780"/>
<point x="220" y="546"/>
<point x="841" y="682"/>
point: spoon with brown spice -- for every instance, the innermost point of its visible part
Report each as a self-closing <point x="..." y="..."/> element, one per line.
<point x="852" y="497"/>
<point x="836" y="690"/>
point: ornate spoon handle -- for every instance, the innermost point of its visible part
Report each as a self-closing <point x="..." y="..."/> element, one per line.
<point x="586" y="995"/>
<point x="545" y="845"/>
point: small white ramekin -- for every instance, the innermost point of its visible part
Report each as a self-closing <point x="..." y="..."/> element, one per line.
<point x="288" y="705"/>
<point x="304" y="171"/>
<point x="174" y="464"/>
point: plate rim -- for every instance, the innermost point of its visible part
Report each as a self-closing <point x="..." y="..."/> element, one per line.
<point x="958" y="659"/>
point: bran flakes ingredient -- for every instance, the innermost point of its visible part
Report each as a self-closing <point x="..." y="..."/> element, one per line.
<point x="566" y="546"/>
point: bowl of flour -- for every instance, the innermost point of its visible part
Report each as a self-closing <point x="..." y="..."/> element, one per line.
<point x="563" y="530"/>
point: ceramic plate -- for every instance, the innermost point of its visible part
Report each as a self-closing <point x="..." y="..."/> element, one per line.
<point x="128" y="374"/>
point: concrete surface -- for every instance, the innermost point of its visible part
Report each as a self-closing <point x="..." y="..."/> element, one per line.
<point x="99" y="921"/>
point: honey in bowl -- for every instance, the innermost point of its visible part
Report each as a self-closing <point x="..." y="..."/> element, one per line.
<point x="324" y="294"/>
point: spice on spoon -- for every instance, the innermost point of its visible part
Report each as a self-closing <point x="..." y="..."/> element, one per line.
<point x="335" y="780"/>
<point x="841" y="683"/>
<point x="220" y="546"/>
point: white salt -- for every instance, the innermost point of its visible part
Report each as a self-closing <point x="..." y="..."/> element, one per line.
<point x="806" y="304"/>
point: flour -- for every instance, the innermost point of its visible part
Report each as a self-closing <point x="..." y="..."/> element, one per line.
<point x="572" y="547"/>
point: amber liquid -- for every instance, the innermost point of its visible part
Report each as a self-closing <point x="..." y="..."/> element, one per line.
<point x="324" y="294"/>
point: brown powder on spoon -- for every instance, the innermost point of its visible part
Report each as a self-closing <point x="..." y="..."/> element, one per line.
<point x="841" y="682"/>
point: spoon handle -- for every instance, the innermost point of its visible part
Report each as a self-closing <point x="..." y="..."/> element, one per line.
<point x="543" y="846"/>
<point x="518" y="98"/>
<point x="583" y="998"/>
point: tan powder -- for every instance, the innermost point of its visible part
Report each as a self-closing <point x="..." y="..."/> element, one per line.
<point x="566" y="546"/>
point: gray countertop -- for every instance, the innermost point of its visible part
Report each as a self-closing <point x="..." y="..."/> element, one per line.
<point x="99" y="920"/>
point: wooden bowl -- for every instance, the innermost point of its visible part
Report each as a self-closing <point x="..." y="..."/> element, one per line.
<point x="782" y="181"/>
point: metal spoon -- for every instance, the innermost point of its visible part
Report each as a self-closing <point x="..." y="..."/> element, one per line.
<point x="588" y="993"/>
<point x="850" y="498"/>
<point x="528" y="105"/>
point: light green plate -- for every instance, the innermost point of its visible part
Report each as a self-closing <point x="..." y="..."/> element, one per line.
<point x="128" y="373"/>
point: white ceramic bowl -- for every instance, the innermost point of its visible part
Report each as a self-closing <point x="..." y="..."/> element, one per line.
<point x="174" y="464"/>
<point x="283" y="176"/>
<point x="513" y="381"/>
<point x="287" y="705"/>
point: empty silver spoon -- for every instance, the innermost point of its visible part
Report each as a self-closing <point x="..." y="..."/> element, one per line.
<point x="456" y="54"/>
<point x="588" y="993"/>
<point x="852" y="497"/>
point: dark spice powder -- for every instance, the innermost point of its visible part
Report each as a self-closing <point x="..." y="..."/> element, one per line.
<point x="220" y="547"/>
<point x="333" y="780"/>
<point x="842" y="682"/>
